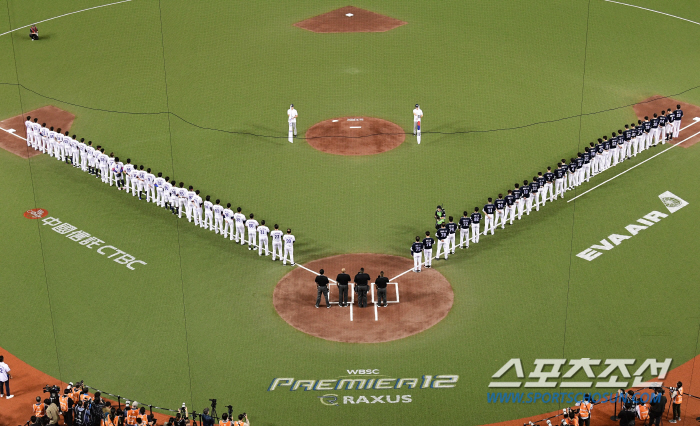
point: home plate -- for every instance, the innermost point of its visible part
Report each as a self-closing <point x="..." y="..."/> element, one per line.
<point x="349" y="14"/>
<point x="355" y="127"/>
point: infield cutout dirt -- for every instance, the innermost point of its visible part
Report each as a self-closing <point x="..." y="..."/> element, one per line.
<point x="355" y="136"/>
<point x="350" y="19"/>
<point x="654" y="105"/>
<point x="49" y="114"/>
<point x="425" y="299"/>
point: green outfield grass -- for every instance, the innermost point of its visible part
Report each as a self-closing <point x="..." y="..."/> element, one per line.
<point x="197" y="321"/>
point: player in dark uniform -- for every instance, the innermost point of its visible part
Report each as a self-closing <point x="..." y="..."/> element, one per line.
<point x="586" y="174"/>
<point x="627" y="134"/>
<point x="579" y="169"/>
<point x="464" y="222"/>
<point x="322" y="288"/>
<point x="662" y="127"/>
<point x="548" y="185"/>
<point x="677" y="116"/>
<point x="593" y="152"/>
<point x="647" y="133"/>
<point x="500" y="211"/>
<point x="416" y="253"/>
<point x="451" y="234"/>
<point x="476" y="219"/>
<point x="613" y="149"/>
<point x="600" y="155"/>
<point x="489" y="220"/>
<point x="381" y="282"/>
<point x="655" y="131"/>
<point x="639" y="147"/>
<point x="342" y="279"/>
<point x="361" y="287"/>
<point x="670" y="119"/>
<point x="519" y="202"/>
<point x="572" y="174"/>
<point x="534" y="193"/>
<point x="510" y="206"/>
<point x="428" y="243"/>
<point x="441" y="235"/>
<point x="540" y="186"/>
<point x="526" y="197"/>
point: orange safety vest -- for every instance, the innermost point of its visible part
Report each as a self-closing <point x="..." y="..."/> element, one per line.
<point x="63" y="400"/>
<point x="239" y="423"/>
<point x="109" y="422"/>
<point x="584" y="409"/>
<point x="679" y="396"/>
<point x="573" y="422"/>
<point x="643" y="411"/>
<point x="75" y="395"/>
<point x="39" y="409"/>
<point x="144" y="419"/>
<point x="225" y="423"/>
<point x="84" y="397"/>
<point x="131" y="416"/>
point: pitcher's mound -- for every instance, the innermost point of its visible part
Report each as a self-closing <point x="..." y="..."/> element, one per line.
<point x="355" y="136"/>
<point x="425" y="298"/>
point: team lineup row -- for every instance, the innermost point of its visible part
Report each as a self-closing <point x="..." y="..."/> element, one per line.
<point x="607" y="153"/>
<point x="162" y="191"/>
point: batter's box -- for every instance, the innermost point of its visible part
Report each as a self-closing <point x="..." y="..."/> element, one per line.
<point x="351" y="293"/>
<point x="388" y="293"/>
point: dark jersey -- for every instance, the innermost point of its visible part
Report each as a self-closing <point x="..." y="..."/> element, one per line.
<point x="654" y="123"/>
<point x="592" y="152"/>
<point x="662" y="120"/>
<point x="500" y="204"/>
<point x="534" y="186"/>
<point x="343" y="279"/>
<point x="451" y="227"/>
<point x="464" y="222"/>
<point x="549" y="176"/>
<point x="441" y="233"/>
<point x="517" y="194"/>
<point x="417" y="247"/>
<point x="586" y="158"/>
<point x="540" y="181"/>
<point x="526" y="191"/>
<point x="322" y="280"/>
<point x="613" y="142"/>
<point x="678" y="114"/>
<point x="489" y="208"/>
<point x="627" y="134"/>
<point x="647" y="126"/>
<point x="381" y="282"/>
<point x="640" y="130"/>
<point x="510" y="199"/>
<point x="606" y="145"/>
<point x="428" y="243"/>
<point x="559" y="173"/>
<point x="599" y="148"/>
<point x="476" y="217"/>
<point x="670" y="117"/>
<point x="579" y="162"/>
<point x="572" y="167"/>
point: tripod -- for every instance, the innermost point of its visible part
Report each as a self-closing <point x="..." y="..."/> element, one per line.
<point x="214" y="414"/>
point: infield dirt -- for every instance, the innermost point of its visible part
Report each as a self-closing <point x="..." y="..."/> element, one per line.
<point x="350" y="19"/>
<point x="355" y="136"/>
<point x="654" y="105"/>
<point x="425" y="298"/>
<point x="49" y="114"/>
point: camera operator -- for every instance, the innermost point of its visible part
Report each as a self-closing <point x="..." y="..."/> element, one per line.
<point x="207" y="420"/>
<point x="66" y="405"/>
<point x="627" y="415"/>
<point x="657" y="406"/>
<point x="240" y="421"/>
<point x="225" y="421"/>
<point x="52" y="412"/>
<point x="39" y="408"/>
<point x="642" y="411"/>
<point x="677" y="398"/>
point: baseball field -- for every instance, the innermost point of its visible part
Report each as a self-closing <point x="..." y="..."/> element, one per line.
<point x="198" y="90"/>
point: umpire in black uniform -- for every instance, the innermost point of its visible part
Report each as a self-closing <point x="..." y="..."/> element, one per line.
<point x="322" y="288"/>
<point x="361" y="287"/>
<point x="381" y="283"/>
<point x="343" y="279"/>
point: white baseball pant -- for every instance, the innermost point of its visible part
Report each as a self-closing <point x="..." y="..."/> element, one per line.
<point x="510" y="212"/>
<point x="417" y="261"/>
<point x="198" y="216"/>
<point x="228" y="228"/>
<point x="451" y="242"/>
<point x="475" y="233"/>
<point x="464" y="237"/>
<point x="252" y="236"/>
<point x="262" y="242"/>
<point x="558" y="188"/>
<point x="442" y="244"/>
<point x="428" y="256"/>
<point x="209" y="219"/>
<point x="276" y="250"/>
<point x="676" y="127"/>
<point x="489" y="225"/>
<point x="528" y="205"/>
<point x="288" y="252"/>
<point x="536" y="200"/>
<point x="219" y="224"/>
<point x="240" y="233"/>
<point x="502" y="215"/>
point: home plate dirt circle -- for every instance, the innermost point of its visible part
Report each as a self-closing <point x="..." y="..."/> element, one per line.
<point x="425" y="298"/>
<point x="355" y="136"/>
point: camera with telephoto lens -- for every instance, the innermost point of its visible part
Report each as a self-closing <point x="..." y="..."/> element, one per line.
<point x="53" y="391"/>
<point x="213" y="403"/>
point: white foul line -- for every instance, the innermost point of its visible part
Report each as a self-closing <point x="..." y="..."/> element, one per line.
<point x="636" y="165"/>
<point x="66" y="14"/>
<point x="375" y="310"/>
<point x="655" y="11"/>
<point x="12" y="132"/>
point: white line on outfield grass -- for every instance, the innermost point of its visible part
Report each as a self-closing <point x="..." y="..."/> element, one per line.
<point x="636" y="165"/>
<point x="65" y="14"/>
<point x="655" y="11"/>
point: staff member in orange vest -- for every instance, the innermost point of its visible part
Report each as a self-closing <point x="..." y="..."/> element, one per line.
<point x="143" y="416"/>
<point x="132" y="414"/>
<point x="66" y="403"/>
<point x="677" y="398"/>
<point x="111" y="419"/>
<point x="39" y="408"/>
<point x="584" y="410"/>
<point x="240" y="421"/>
<point x="225" y="421"/>
<point x="643" y="411"/>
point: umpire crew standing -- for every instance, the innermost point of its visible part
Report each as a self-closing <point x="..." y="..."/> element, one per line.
<point x="381" y="283"/>
<point x="342" y="279"/>
<point x="322" y="288"/>
<point x="361" y="287"/>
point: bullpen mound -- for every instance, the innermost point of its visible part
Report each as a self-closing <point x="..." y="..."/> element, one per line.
<point x="355" y="136"/>
<point x="424" y="300"/>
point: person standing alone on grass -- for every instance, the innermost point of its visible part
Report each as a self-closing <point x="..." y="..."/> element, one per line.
<point x="381" y="282"/>
<point x="342" y="279"/>
<point x="292" y="115"/>
<point x="417" y="115"/>
<point x="322" y="288"/>
<point x="5" y="377"/>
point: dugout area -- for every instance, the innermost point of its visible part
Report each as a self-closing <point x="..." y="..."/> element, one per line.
<point x="198" y="91"/>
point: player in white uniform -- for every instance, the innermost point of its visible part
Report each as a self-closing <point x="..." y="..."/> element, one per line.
<point x="288" y="247"/>
<point x="90" y="157"/>
<point x="263" y="231"/>
<point x="228" y="222"/>
<point x="82" y="147"/>
<point x="182" y="196"/>
<point x="239" y="218"/>
<point x="128" y="168"/>
<point x="150" y="186"/>
<point x="218" y="217"/>
<point x="276" y="242"/>
<point x="29" y="132"/>
<point x="292" y="115"/>
<point x="118" y="169"/>
<point x="417" y="115"/>
<point x="36" y="139"/>
<point x="188" y="206"/>
<point x="110" y="169"/>
<point x="134" y="181"/>
<point x="167" y="187"/>
<point x="252" y="225"/>
<point x="44" y="132"/>
<point x="104" y="165"/>
<point x="208" y="214"/>
<point x="51" y="147"/>
<point x="173" y="199"/>
<point x="62" y="141"/>
<point x="75" y="152"/>
<point x="141" y="180"/>
<point x="158" y="183"/>
<point x="197" y="209"/>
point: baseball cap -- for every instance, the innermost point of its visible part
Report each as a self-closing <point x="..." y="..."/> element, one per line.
<point x="416" y="105"/>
